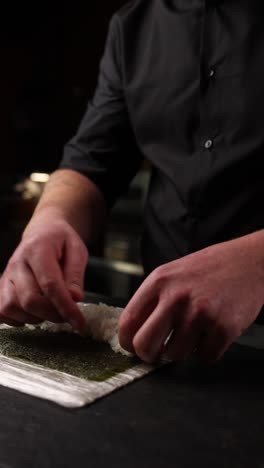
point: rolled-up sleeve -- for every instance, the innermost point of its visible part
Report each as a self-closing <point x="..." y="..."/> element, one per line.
<point x="104" y="148"/>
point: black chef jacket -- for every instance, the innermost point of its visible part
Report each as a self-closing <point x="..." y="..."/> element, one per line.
<point x="181" y="84"/>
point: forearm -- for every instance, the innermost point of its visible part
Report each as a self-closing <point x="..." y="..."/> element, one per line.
<point x="76" y="199"/>
<point x="250" y="247"/>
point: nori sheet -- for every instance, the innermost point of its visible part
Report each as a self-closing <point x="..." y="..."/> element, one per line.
<point x="65" y="352"/>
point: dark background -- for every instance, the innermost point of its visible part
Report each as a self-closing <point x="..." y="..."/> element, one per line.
<point x="49" y="67"/>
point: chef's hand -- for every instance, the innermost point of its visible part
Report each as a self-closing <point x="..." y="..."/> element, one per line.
<point x="204" y="300"/>
<point x="44" y="277"/>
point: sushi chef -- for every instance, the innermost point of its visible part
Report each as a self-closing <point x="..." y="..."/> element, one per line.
<point x="181" y="84"/>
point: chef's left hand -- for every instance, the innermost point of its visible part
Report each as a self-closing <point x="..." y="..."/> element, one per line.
<point x="204" y="300"/>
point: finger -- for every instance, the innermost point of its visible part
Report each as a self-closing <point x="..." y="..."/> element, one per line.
<point x="185" y="338"/>
<point x="145" y="298"/>
<point x="130" y="322"/>
<point x="48" y="275"/>
<point x="151" y="337"/>
<point x="213" y="346"/>
<point x="75" y="258"/>
<point x="139" y="308"/>
<point x="11" y="310"/>
<point x="31" y="298"/>
<point x="181" y="344"/>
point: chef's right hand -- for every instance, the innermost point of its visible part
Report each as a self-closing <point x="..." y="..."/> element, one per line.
<point x="43" y="279"/>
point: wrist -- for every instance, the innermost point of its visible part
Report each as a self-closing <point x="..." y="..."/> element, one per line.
<point x="43" y="215"/>
<point x="252" y="247"/>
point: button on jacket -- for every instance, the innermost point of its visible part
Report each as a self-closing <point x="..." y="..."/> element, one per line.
<point x="181" y="84"/>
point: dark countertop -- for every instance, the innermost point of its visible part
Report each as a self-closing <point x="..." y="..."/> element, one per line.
<point x="181" y="416"/>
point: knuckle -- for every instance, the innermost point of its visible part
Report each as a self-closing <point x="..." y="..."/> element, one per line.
<point x="178" y="304"/>
<point x="183" y="296"/>
<point x="203" y="306"/>
<point x="38" y="246"/>
<point x="24" y="251"/>
<point x="159" y="277"/>
<point x="14" y="263"/>
<point x="38" y="253"/>
<point x="203" y="312"/>
<point x="28" y="247"/>
<point x="77" y="242"/>
<point x="48" y="286"/>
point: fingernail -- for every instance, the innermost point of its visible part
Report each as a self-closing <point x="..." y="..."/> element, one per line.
<point x="75" y="286"/>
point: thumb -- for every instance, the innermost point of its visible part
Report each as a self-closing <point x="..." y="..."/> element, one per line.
<point x="74" y="266"/>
